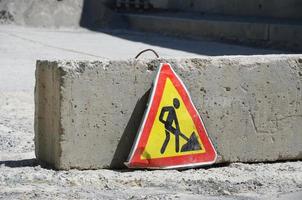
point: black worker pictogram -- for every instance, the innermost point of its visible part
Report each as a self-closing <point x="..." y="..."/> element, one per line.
<point x="172" y="126"/>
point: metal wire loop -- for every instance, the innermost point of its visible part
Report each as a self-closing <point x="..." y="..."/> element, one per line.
<point x="143" y="51"/>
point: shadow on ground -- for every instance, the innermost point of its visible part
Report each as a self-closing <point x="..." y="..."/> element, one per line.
<point x="20" y="163"/>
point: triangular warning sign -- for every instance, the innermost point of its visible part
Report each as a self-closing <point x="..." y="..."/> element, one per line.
<point x="172" y="134"/>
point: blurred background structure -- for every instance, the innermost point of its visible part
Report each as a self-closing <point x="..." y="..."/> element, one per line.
<point x="265" y="23"/>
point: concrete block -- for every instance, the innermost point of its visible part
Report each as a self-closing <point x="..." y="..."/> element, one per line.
<point x="87" y="113"/>
<point x="286" y="35"/>
<point x="217" y="27"/>
<point x="289" y="9"/>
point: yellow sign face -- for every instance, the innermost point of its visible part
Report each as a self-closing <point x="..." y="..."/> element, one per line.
<point x="173" y="132"/>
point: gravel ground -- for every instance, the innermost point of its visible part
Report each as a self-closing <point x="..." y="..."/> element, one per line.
<point x="21" y="176"/>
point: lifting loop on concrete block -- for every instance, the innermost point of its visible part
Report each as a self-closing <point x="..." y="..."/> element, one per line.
<point x="143" y="51"/>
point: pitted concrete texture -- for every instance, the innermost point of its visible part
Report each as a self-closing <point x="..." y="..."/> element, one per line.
<point x="87" y="113"/>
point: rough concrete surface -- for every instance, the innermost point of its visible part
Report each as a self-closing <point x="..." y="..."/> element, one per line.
<point x="55" y="13"/>
<point x="250" y="106"/>
<point x="47" y="13"/>
<point x="21" y="177"/>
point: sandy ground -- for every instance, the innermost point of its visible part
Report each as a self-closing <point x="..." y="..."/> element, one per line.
<point x="21" y="177"/>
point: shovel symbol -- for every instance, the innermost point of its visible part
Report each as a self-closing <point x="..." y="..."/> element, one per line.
<point x="191" y="144"/>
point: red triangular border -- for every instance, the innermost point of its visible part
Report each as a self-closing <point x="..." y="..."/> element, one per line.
<point x="209" y="157"/>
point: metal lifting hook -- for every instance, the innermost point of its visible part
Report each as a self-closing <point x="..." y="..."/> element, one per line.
<point x="143" y="51"/>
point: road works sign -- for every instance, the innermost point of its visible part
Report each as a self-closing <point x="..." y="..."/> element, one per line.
<point x="172" y="134"/>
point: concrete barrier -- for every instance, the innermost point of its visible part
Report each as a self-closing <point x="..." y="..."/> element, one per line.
<point x="87" y="113"/>
<point x="289" y="9"/>
<point x="254" y="31"/>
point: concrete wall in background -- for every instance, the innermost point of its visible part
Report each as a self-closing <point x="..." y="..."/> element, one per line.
<point x="286" y="9"/>
<point x="46" y="13"/>
<point x="53" y="13"/>
<point x="87" y="113"/>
